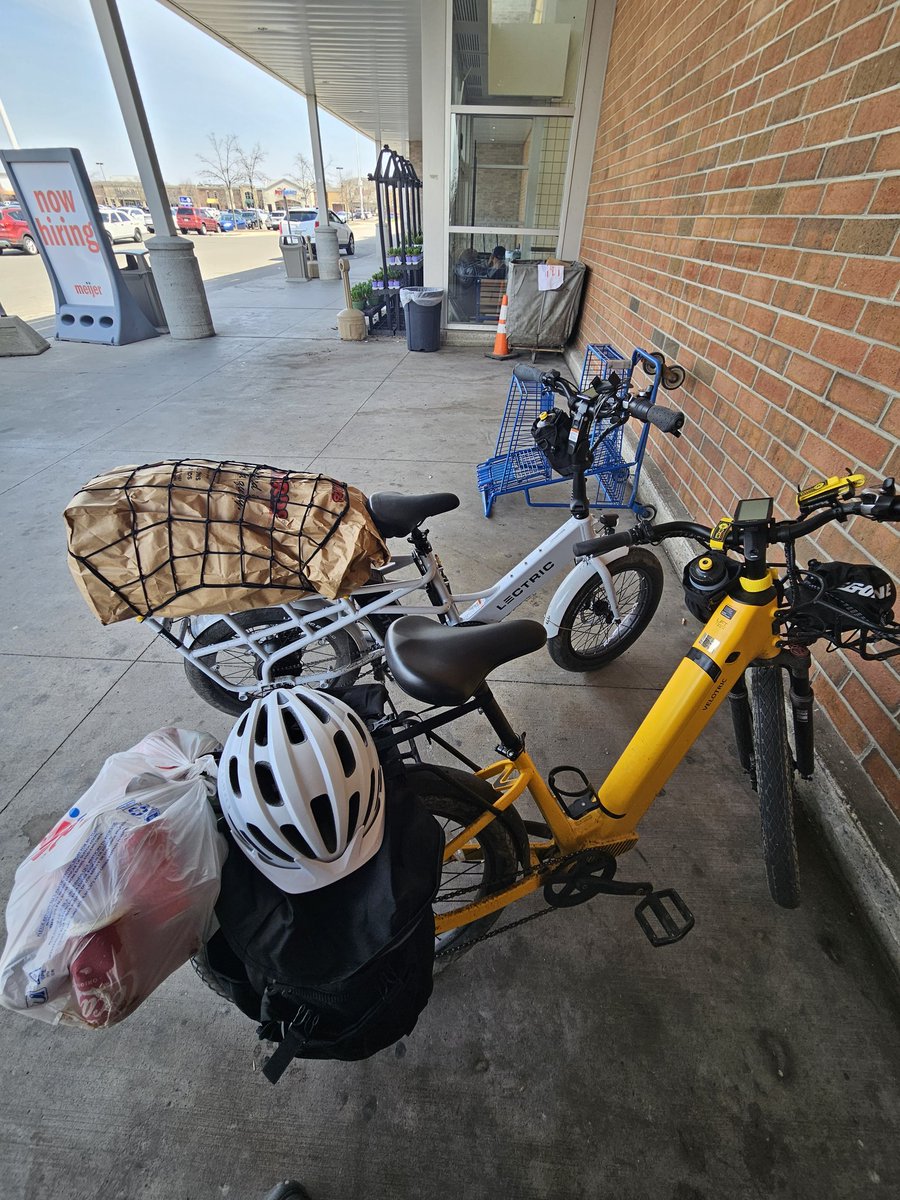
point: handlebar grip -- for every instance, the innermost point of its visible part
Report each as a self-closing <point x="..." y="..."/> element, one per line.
<point x="597" y="546"/>
<point x="669" y="420"/>
<point x="528" y="374"/>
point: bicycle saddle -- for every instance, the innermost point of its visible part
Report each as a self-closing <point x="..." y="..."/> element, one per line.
<point x="397" y="515"/>
<point x="445" y="665"/>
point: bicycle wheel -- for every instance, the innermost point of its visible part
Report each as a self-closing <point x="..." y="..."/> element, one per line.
<point x="242" y="666"/>
<point x="589" y="637"/>
<point x="486" y="864"/>
<point x="775" y="785"/>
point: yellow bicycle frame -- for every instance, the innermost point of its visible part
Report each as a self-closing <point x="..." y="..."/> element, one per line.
<point x="739" y="632"/>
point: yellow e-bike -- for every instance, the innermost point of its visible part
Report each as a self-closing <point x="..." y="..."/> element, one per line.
<point x="759" y="621"/>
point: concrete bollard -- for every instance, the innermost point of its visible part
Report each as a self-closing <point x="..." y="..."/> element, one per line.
<point x="180" y="287"/>
<point x="328" y="252"/>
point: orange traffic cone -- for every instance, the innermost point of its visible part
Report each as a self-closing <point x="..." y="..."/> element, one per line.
<point x="501" y="345"/>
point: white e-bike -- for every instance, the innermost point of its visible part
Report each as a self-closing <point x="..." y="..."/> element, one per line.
<point x="600" y="608"/>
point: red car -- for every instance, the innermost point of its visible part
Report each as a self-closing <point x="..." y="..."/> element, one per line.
<point x="194" y="220"/>
<point x="14" y="229"/>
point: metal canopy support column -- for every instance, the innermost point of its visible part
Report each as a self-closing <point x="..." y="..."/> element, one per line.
<point x="315" y="138"/>
<point x="175" y="268"/>
<point x="434" y="199"/>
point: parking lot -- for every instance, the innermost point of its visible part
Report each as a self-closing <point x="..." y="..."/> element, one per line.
<point x="25" y="289"/>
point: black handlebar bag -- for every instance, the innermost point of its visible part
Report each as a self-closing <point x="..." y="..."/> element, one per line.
<point x="848" y="594"/>
<point x="341" y="972"/>
<point x="550" y="432"/>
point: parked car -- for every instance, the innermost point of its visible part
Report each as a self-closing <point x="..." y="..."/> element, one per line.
<point x="214" y="213"/>
<point x="274" y="219"/>
<point x="254" y="217"/>
<point x="303" y="222"/>
<point x="14" y="231"/>
<point x="119" y="227"/>
<point x="230" y="220"/>
<point x="195" y="220"/>
<point x="139" y="214"/>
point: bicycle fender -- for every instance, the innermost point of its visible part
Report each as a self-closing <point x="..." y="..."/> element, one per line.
<point x="580" y="574"/>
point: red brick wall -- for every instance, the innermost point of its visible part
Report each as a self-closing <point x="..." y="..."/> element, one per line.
<point x="743" y="218"/>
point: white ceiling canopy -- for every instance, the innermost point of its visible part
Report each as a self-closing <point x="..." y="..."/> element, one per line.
<point x="362" y="58"/>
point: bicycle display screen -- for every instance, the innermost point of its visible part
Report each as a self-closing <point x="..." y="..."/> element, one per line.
<point x="754" y="512"/>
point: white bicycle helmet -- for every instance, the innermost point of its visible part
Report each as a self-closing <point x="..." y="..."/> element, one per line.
<point x="302" y="789"/>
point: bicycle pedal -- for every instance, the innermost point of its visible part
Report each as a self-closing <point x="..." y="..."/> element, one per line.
<point x="673" y="918"/>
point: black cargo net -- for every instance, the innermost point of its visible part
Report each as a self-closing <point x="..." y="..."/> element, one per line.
<point x="214" y="496"/>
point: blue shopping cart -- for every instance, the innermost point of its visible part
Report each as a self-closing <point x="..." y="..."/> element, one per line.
<point x="517" y="464"/>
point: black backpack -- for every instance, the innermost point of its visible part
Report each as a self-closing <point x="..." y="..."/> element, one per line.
<point x="341" y="972"/>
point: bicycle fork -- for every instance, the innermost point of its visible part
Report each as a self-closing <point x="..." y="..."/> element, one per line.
<point x="796" y="661"/>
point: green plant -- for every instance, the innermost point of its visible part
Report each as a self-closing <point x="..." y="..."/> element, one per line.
<point x="394" y="273"/>
<point x="361" y="291"/>
<point x="379" y="274"/>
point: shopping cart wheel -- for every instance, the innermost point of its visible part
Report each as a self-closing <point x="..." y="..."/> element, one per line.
<point x="646" y="512"/>
<point x="672" y="377"/>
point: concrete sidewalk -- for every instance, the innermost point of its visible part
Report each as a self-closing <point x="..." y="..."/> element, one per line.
<point x="565" y="1060"/>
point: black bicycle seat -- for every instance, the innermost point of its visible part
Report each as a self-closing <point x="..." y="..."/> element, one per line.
<point x="445" y="665"/>
<point x="397" y="515"/>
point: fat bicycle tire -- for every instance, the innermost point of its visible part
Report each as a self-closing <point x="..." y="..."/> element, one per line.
<point x="588" y="639"/>
<point x="343" y="649"/>
<point x="775" y="785"/>
<point x="442" y="791"/>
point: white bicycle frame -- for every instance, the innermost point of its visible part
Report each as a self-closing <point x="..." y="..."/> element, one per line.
<point x="315" y="618"/>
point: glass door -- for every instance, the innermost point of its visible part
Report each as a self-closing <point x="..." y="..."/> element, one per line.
<point x="514" y="77"/>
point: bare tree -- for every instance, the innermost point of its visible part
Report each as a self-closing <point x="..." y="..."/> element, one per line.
<point x="223" y="164"/>
<point x="306" y="178"/>
<point x="249" y="161"/>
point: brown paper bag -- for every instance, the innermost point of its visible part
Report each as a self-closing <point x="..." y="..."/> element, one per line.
<point x="179" y="538"/>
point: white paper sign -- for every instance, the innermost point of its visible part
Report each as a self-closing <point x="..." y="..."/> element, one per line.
<point x="51" y="195"/>
<point x="550" y="277"/>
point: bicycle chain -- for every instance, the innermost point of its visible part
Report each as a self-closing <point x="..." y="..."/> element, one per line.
<point x="559" y="861"/>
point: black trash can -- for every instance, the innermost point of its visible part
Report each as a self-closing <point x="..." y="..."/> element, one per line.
<point x="422" y="309"/>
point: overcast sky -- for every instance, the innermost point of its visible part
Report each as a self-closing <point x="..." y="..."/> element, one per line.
<point x="57" y="91"/>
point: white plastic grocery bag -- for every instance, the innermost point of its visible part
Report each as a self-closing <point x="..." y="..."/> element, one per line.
<point x="121" y="891"/>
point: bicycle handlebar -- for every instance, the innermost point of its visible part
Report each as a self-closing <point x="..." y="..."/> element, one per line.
<point x="667" y="420"/>
<point x="641" y="534"/>
<point x="528" y="374"/>
<point x="884" y="506"/>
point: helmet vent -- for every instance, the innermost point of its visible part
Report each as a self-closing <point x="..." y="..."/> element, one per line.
<point x="233" y="776"/>
<point x="268" y="845"/>
<point x="261" y="733"/>
<point x="323" y="815"/>
<point x="293" y="728"/>
<point x="368" y="815"/>
<point x="345" y="753"/>
<point x="266" y="783"/>
<point x="358" y="725"/>
<point x="319" y="711"/>
<point x="352" y="814"/>
<point x="295" y="838"/>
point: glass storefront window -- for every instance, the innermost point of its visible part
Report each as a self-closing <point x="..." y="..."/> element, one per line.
<point x="508" y="171"/>
<point x="516" y="52"/>
<point x="479" y="263"/>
